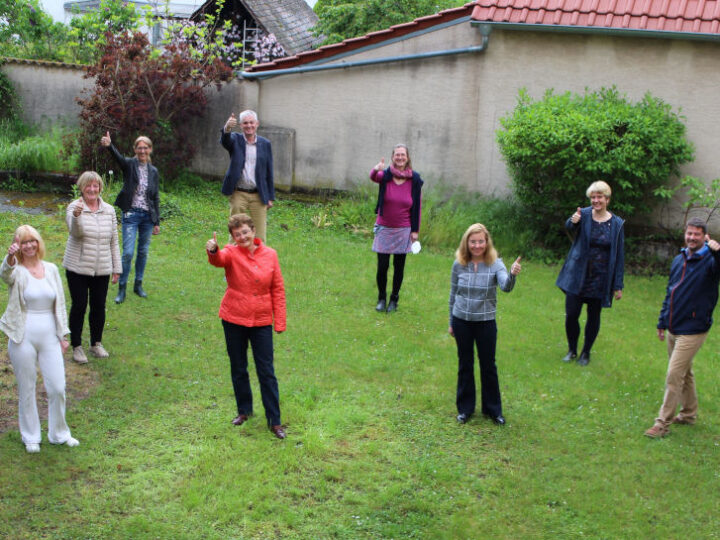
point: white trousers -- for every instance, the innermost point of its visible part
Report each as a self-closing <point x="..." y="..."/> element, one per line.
<point x="40" y="347"/>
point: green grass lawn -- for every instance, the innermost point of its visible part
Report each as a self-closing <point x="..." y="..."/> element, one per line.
<point x="373" y="448"/>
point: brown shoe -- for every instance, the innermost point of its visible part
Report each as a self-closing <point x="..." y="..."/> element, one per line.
<point x="657" y="432"/>
<point x="278" y="431"/>
<point x="240" y="419"/>
<point x="681" y="420"/>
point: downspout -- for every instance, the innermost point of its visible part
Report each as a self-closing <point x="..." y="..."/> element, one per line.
<point x="369" y="62"/>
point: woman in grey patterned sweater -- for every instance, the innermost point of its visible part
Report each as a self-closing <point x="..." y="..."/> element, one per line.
<point x="476" y="274"/>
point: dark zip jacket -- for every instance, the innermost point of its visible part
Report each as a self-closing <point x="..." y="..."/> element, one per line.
<point x="129" y="167"/>
<point x="572" y="274"/>
<point x="692" y="292"/>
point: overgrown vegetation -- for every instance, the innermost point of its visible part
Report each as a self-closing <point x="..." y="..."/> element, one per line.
<point x="373" y="449"/>
<point x="555" y="147"/>
<point x="344" y="19"/>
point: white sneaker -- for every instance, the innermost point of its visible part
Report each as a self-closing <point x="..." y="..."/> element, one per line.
<point x="32" y="448"/>
<point x="72" y="442"/>
<point x="98" y="351"/>
<point x="79" y="355"/>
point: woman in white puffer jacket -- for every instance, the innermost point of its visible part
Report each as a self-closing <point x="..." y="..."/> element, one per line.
<point x="92" y="255"/>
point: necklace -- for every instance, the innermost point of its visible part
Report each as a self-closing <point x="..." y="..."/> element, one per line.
<point x="36" y="271"/>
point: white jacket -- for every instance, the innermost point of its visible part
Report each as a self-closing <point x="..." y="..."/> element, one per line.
<point x="13" y="320"/>
<point x="92" y="248"/>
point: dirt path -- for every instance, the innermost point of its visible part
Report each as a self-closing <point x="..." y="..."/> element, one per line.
<point x="80" y="382"/>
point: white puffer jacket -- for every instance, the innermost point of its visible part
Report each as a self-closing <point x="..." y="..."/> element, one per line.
<point x="92" y="248"/>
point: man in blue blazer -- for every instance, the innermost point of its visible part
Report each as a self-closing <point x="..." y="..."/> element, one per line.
<point x="249" y="179"/>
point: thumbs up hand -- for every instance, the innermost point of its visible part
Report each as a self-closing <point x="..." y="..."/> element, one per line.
<point x="212" y="245"/>
<point x="516" y="267"/>
<point x="105" y="140"/>
<point x="575" y="218"/>
<point x="380" y="166"/>
<point x="712" y="244"/>
<point x="230" y="123"/>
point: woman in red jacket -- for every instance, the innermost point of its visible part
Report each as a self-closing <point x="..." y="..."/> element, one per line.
<point x="255" y="297"/>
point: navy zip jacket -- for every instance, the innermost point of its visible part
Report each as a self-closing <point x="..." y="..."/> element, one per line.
<point x="572" y="275"/>
<point x="234" y="143"/>
<point x="692" y="292"/>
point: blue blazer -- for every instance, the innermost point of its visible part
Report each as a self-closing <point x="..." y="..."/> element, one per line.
<point x="234" y="143"/>
<point x="572" y="274"/>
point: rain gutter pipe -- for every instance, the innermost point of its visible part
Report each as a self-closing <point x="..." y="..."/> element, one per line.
<point x="487" y="27"/>
<point x="369" y="62"/>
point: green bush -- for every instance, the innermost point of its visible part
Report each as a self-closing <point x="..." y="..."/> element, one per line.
<point x="557" y="146"/>
<point x="47" y="152"/>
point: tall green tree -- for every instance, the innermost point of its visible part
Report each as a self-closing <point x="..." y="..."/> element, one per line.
<point x="343" y="19"/>
<point x="26" y="31"/>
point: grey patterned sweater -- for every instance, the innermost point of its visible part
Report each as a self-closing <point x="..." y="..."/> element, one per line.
<point x="473" y="289"/>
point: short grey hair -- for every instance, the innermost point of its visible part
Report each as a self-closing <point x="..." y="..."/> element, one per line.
<point x="246" y="113"/>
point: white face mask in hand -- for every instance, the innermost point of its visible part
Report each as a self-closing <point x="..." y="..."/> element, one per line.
<point x="415" y="247"/>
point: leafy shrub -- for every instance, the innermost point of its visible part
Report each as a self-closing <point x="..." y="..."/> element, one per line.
<point x="33" y="153"/>
<point x="556" y="147"/>
<point x="142" y="91"/>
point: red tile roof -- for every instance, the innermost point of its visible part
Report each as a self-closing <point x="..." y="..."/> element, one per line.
<point x="328" y="51"/>
<point x="686" y="16"/>
<point x="682" y="16"/>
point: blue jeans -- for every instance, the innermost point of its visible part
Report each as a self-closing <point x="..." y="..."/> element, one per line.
<point x="134" y="221"/>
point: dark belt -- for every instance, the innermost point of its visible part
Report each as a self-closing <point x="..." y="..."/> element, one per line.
<point x="244" y="190"/>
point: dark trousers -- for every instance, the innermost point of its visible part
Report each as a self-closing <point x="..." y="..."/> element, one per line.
<point x="382" y="272"/>
<point x="81" y="287"/>
<point x="573" y="307"/>
<point x="260" y="337"/>
<point x="482" y="334"/>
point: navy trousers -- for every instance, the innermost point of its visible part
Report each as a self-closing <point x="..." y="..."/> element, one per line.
<point x="260" y="338"/>
<point x="468" y="335"/>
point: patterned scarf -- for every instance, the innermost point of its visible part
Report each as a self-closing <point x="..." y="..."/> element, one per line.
<point x="404" y="174"/>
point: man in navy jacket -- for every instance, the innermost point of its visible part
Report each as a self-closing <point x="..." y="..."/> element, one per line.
<point x="686" y="314"/>
<point x="249" y="179"/>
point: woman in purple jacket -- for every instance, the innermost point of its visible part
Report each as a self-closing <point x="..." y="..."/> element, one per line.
<point x="398" y="221"/>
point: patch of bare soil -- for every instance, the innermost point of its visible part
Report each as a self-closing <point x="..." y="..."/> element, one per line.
<point x="80" y="382"/>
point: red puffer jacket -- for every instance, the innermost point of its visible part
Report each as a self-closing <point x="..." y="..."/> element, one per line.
<point x="255" y="294"/>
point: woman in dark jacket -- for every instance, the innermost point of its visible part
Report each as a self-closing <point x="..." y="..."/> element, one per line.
<point x="398" y="221"/>
<point x="139" y="201"/>
<point x="594" y="268"/>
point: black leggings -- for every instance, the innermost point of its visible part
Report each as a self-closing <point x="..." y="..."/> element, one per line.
<point x="398" y="273"/>
<point x="573" y="307"/>
<point x="81" y="288"/>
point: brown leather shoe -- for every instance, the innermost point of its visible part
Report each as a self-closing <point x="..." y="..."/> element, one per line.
<point x="240" y="419"/>
<point x="278" y="431"/>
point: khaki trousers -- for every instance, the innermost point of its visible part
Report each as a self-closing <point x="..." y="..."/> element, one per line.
<point x="680" y="381"/>
<point x="251" y="204"/>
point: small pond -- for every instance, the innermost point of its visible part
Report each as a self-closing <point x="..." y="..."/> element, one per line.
<point x="32" y="203"/>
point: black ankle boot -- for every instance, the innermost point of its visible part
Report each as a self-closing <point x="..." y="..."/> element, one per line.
<point x="392" y="305"/>
<point x="120" y="298"/>
<point x="380" y="305"/>
<point x="137" y="289"/>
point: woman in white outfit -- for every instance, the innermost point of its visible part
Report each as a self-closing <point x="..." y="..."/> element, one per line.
<point x="36" y="323"/>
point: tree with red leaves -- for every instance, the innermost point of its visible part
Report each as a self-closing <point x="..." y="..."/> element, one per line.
<point x="140" y="90"/>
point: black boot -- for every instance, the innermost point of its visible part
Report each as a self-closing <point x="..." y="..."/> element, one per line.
<point x="120" y="298"/>
<point x="380" y="305"/>
<point x="392" y="305"/>
<point x="584" y="359"/>
<point x="137" y="289"/>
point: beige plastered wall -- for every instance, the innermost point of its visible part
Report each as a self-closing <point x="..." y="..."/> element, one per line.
<point x="447" y="109"/>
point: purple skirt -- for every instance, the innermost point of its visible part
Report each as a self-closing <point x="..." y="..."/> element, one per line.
<point x="390" y="240"/>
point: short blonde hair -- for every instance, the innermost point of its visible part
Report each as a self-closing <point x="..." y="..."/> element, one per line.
<point x="599" y="187"/>
<point x="28" y="232"/>
<point x="463" y="256"/>
<point x="87" y="178"/>
<point x="238" y="220"/>
<point x="142" y="138"/>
